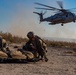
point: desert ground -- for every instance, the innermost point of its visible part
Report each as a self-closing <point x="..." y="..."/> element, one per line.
<point x="62" y="61"/>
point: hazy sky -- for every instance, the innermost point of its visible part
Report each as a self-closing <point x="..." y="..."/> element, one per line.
<point x="17" y="17"/>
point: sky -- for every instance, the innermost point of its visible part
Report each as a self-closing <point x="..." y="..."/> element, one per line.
<point x="17" y="17"/>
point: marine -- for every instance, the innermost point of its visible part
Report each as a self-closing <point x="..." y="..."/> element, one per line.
<point x="36" y="45"/>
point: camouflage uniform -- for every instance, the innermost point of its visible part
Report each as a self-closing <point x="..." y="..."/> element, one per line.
<point x="37" y="45"/>
<point x="0" y="42"/>
<point x="3" y="47"/>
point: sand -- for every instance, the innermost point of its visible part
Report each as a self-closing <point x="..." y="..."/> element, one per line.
<point x="61" y="62"/>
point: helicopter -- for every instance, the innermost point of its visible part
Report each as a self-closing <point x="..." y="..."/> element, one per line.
<point x="61" y="16"/>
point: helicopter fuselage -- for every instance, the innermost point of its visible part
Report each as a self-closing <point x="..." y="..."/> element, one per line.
<point x="61" y="18"/>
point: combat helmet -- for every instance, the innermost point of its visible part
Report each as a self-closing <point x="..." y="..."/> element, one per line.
<point x="30" y="35"/>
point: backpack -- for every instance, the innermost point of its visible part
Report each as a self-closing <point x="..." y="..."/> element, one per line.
<point x="43" y="44"/>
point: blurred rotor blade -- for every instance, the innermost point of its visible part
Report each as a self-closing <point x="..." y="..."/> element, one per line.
<point x="60" y="3"/>
<point x="71" y="9"/>
<point x="44" y="12"/>
<point x="47" y="6"/>
<point x="53" y="8"/>
<point x="43" y="8"/>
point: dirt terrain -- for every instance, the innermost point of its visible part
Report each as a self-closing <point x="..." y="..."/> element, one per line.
<point x="62" y="61"/>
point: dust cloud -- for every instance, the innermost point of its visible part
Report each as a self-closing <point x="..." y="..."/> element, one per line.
<point x="23" y="22"/>
<point x="64" y="32"/>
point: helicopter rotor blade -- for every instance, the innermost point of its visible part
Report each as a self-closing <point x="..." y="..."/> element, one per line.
<point x="48" y="9"/>
<point x="60" y="3"/>
<point x="43" y="8"/>
<point x="44" y="12"/>
<point x="53" y="8"/>
<point x="71" y="9"/>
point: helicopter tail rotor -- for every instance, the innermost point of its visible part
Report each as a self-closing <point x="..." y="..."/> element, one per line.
<point x="44" y="12"/>
<point x="37" y="13"/>
<point x="41" y="15"/>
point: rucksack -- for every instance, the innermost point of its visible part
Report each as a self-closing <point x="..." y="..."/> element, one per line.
<point x="43" y="44"/>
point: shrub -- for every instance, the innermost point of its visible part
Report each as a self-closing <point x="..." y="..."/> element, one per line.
<point x="12" y="38"/>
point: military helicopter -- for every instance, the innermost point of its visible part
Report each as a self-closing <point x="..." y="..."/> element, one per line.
<point x="61" y="16"/>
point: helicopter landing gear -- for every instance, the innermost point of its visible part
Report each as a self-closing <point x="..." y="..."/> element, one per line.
<point x="62" y="24"/>
<point x="73" y="20"/>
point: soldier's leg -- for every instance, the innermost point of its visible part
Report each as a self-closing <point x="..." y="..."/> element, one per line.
<point x="45" y="57"/>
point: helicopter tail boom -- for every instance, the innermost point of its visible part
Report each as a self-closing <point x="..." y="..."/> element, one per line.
<point x="41" y="15"/>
